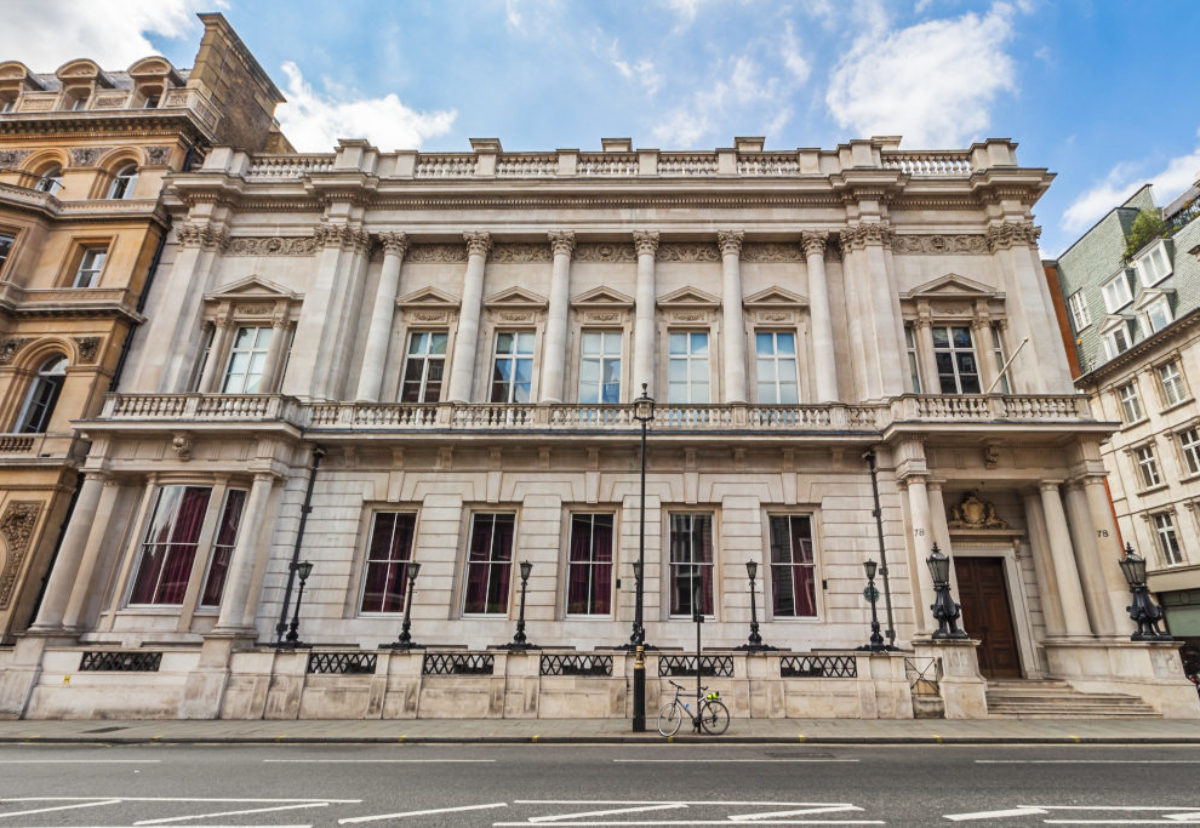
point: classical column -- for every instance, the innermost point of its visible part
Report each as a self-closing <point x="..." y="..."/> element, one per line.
<point x="1087" y="560"/>
<point x="270" y="383"/>
<point x="931" y="383"/>
<point x="83" y="587"/>
<point x="70" y="555"/>
<point x="241" y="563"/>
<point x="554" y="351"/>
<point x="370" y="377"/>
<point x="733" y="333"/>
<point x="644" y="333"/>
<point x="857" y="317"/>
<point x="1075" y="618"/>
<point x="1043" y="564"/>
<point x="1108" y="551"/>
<point x="824" y="357"/>
<point x="985" y="352"/>
<point x="462" y="371"/>
<point x="211" y="375"/>
<point x="922" y="540"/>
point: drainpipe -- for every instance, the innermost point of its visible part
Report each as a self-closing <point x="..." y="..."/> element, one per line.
<point x="281" y="627"/>
<point x="883" y="565"/>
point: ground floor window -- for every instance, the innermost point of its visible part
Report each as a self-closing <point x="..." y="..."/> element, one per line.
<point x="489" y="563"/>
<point x="691" y="564"/>
<point x="589" y="564"/>
<point x="389" y="552"/>
<point x="793" y="569"/>
<point x="169" y="548"/>
<point x="227" y="532"/>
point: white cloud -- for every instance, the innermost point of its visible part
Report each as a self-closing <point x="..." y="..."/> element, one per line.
<point x="512" y="13"/>
<point x="932" y="83"/>
<point x="1123" y="181"/>
<point x="643" y="72"/>
<point x="47" y="34"/>
<point x="313" y="122"/>
<point x="792" y="59"/>
<point x="734" y="100"/>
<point x="686" y="9"/>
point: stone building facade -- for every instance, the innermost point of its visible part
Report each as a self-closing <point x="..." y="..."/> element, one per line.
<point x="1133" y="324"/>
<point x="363" y="360"/>
<point x="83" y="154"/>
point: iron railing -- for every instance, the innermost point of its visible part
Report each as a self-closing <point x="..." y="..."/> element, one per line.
<point x="809" y="666"/>
<point x="109" y="661"/>
<point x="577" y="665"/>
<point x="717" y="666"/>
<point x="458" y="664"/>
<point x="341" y="664"/>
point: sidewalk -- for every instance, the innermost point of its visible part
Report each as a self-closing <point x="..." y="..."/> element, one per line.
<point x="606" y="731"/>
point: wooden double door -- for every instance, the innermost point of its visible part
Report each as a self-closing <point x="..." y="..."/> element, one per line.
<point x="987" y="614"/>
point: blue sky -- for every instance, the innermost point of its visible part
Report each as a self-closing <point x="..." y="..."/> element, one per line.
<point x="1102" y="93"/>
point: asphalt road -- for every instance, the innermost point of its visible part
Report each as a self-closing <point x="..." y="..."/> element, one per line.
<point x="668" y="784"/>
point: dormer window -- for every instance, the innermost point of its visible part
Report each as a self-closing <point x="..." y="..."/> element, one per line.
<point x="77" y="103"/>
<point x="123" y="182"/>
<point x="1116" y="339"/>
<point x="1157" y="315"/>
<point x="7" y="104"/>
<point x="1153" y="265"/>
<point x="1116" y="292"/>
<point x="151" y="101"/>
<point x="50" y="181"/>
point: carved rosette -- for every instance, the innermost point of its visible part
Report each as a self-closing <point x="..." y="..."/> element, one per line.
<point x="939" y="243"/>
<point x="394" y="244"/>
<point x="273" y="246"/>
<point x="730" y="242"/>
<point x="605" y="253"/>
<point x="204" y="236"/>
<point x="688" y="252"/>
<point x="646" y="242"/>
<point x="10" y="347"/>
<point x="16" y="526"/>
<point x="89" y="348"/>
<point x="814" y="241"/>
<point x="479" y="243"/>
<point x="520" y="253"/>
<point x="1012" y="233"/>
<point x="562" y="242"/>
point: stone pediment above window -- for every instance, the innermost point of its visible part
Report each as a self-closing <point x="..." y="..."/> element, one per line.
<point x="430" y="298"/>
<point x="253" y="298"/>
<point x="689" y="298"/>
<point x="602" y="297"/>
<point x="1151" y="295"/>
<point x="953" y="297"/>
<point x="775" y="297"/>
<point x="515" y="297"/>
<point x="252" y="288"/>
<point x="1114" y="321"/>
<point x="953" y="287"/>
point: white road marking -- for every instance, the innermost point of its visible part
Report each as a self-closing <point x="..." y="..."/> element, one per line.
<point x="724" y="822"/>
<point x="61" y="808"/>
<point x="827" y="809"/>
<point x="378" y="817"/>
<point x="666" y="806"/>
<point x="378" y="761"/>
<point x="682" y="801"/>
<point x="170" y="799"/>
<point x="165" y="820"/>
<point x="1011" y="812"/>
<point x="727" y="761"/>
<point x="80" y="761"/>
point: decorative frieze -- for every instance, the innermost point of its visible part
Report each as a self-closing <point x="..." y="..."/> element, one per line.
<point x="204" y="236"/>
<point x="940" y="243"/>
<point x="520" y="253"/>
<point x="16" y="527"/>
<point x="605" y="252"/>
<point x="89" y="348"/>
<point x="771" y="252"/>
<point x="562" y="242"/>
<point x="158" y="155"/>
<point x="10" y="347"/>
<point x="86" y="156"/>
<point x="13" y="158"/>
<point x="688" y="252"/>
<point x="273" y="246"/>
<point x="437" y="253"/>
<point x="861" y="235"/>
<point x="1010" y="233"/>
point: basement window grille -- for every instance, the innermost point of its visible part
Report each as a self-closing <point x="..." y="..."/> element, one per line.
<point x="94" y="661"/>
<point x="718" y="666"/>
<point x="458" y="664"/>
<point x="577" y="665"/>
<point x="341" y="664"/>
<point x="818" y="667"/>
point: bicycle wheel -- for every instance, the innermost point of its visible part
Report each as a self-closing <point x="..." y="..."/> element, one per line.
<point x="714" y="717"/>
<point x="669" y="719"/>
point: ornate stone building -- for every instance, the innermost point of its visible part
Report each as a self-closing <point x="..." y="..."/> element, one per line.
<point x="367" y="361"/>
<point x="83" y="153"/>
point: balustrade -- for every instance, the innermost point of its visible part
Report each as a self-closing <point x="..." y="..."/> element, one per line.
<point x="608" y="164"/>
<point x="527" y="166"/>
<point x="267" y="167"/>
<point x="769" y="164"/>
<point x="688" y="164"/>
<point x="457" y="165"/>
<point x="928" y="163"/>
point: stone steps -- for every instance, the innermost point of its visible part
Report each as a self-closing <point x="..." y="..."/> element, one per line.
<point x="1051" y="699"/>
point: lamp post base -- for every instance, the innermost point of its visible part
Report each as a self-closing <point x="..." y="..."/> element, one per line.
<point x="402" y="645"/>
<point x="518" y="645"/>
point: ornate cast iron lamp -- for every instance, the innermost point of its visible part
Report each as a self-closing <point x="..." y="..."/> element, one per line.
<point x="876" y="644"/>
<point x="1145" y="613"/>
<point x="519" y="641"/>
<point x="406" y="642"/>
<point x="756" y="642"/>
<point x="302" y="570"/>
<point x="943" y="607"/>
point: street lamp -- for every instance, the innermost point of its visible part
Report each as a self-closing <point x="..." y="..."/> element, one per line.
<point x="643" y="412"/>
<point x="755" y="643"/>
<point x="406" y="642"/>
<point x="1145" y="613"/>
<point x="943" y="607"/>
<point x="519" y="641"/>
<point x="302" y="570"/>
<point x="876" y="644"/>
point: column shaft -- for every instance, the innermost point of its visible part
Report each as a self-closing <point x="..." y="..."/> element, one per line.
<point x="554" y="350"/>
<point x="70" y="554"/>
<point x="466" y="341"/>
<point x="379" y="335"/>
<point x="270" y="382"/>
<point x="241" y="564"/>
<point x="1108" y="552"/>
<point x="1083" y="539"/>
<point x="210" y="377"/>
<point x="83" y="587"/>
<point x="985" y="352"/>
<point x="931" y="383"/>
<point x="644" y="333"/>
<point x="922" y="541"/>
<point x="733" y="334"/>
<point x="1075" y="618"/>
<point x="824" y="358"/>
<point x="1043" y="564"/>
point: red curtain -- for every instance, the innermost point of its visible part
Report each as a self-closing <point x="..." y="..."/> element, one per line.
<point x="227" y="531"/>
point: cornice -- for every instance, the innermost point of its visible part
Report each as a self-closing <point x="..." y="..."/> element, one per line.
<point x="89" y="123"/>
<point x="1099" y="374"/>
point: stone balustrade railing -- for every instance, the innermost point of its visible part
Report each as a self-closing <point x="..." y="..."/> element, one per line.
<point x="25" y="446"/>
<point x="538" y="165"/>
<point x="267" y="167"/>
<point x="687" y="163"/>
<point x="356" y="416"/>
<point x="595" y="164"/>
<point x="456" y="165"/>
<point x="767" y="164"/>
<point x="933" y="162"/>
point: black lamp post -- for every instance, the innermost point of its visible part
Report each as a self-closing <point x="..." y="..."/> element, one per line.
<point x="943" y="607"/>
<point x="302" y="570"/>
<point x="519" y="641"/>
<point x="876" y="644"/>
<point x="1145" y="613"/>
<point x="643" y="412"/>
<point x="755" y="643"/>
<point x="405" y="642"/>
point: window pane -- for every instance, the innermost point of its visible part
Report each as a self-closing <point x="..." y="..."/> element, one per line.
<point x="764" y="343"/>
<point x="390" y="549"/>
<point x="612" y="344"/>
<point x="677" y="343"/>
<point x="591" y="343"/>
<point x="437" y="343"/>
<point x="227" y="530"/>
<point x="170" y="546"/>
<point x="786" y="343"/>
<point x="525" y="343"/>
<point x="504" y="343"/>
<point x="699" y="343"/>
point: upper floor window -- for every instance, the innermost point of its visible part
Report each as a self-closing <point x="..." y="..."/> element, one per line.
<point x="489" y="564"/>
<point x="793" y="569"/>
<point x="6" y="245"/>
<point x="1116" y="292"/>
<point x="170" y="545"/>
<point x="424" y="367"/>
<point x="1168" y="541"/>
<point x="687" y="367"/>
<point x="1147" y="465"/>
<point x="90" y="265"/>
<point x="954" y="352"/>
<point x="1172" y="383"/>
<point x="151" y="102"/>
<point x="691" y="564"/>
<point x="77" y="102"/>
<point x="247" y="358"/>
<point x="43" y="394"/>
<point x="914" y="363"/>
<point x="389" y="553"/>
<point x="1131" y="404"/>
<point x="7" y="104"/>
<point x="123" y="182"/>
<point x="1001" y="358"/>
<point x="1157" y="315"/>
<point x="1079" y="310"/>
<point x="1116" y="341"/>
<point x="1189" y="443"/>
<point x="778" y="381"/>
<point x="1154" y="265"/>
<point x="512" y="368"/>
<point x="50" y="181"/>
<point x="589" y="565"/>
<point x="600" y="367"/>
<point x="223" y="544"/>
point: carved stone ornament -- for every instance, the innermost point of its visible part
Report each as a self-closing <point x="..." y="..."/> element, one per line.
<point x="859" y="236"/>
<point x="562" y="242"/>
<point x="515" y="316"/>
<point x="89" y="348"/>
<point x="479" y="242"/>
<point x="339" y="235"/>
<point x="688" y="252"/>
<point x="10" y="347"/>
<point x="86" y="156"/>
<point x="520" y="253"/>
<point x="13" y="158"/>
<point x="110" y="101"/>
<point x="157" y="156"/>
<point x="273" y="246"/>
<point x="254" y="310"/>
<point x="604" y="316"/>
<point x="775" y="316"/>
<point x="730" y="242"/>
<point x="771" y="252"/>
<point x="429" y="316"/>
<point x="1012" y="233"/>
<point x="17" y="527"/>
<point x="689" y="316"/>
<point x="437" y="253"/>
<point x="646" y="242"/>
<point x="973" y="513"/>
<point x="991" y="455"/>
<point x="395" y="244"/>
<point x="182" y="443"/>
<point x="191" y="234"/>
<point x="937" y="243"/>
<point x="605" y="252"/>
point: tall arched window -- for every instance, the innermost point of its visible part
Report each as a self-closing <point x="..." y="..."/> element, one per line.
<point x="123" y="182"/>
<point x="50" y="181"/>
<point x="43" y="394"/>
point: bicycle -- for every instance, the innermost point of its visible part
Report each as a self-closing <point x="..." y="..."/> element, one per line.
<point x="711" y="713"/>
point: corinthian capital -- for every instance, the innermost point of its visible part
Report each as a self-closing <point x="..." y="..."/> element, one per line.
<point x="730" y="242"/>
<point x="479" y="242"/>
<point x="562" y="242"/>
<point x="1011" y="233"/>
<point x="646" y="242"/>
<point x="394" y="244"/>
<point x="814" y="241"/>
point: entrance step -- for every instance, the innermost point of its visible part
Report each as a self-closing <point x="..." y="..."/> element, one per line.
<point x="1052" y="699"/>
